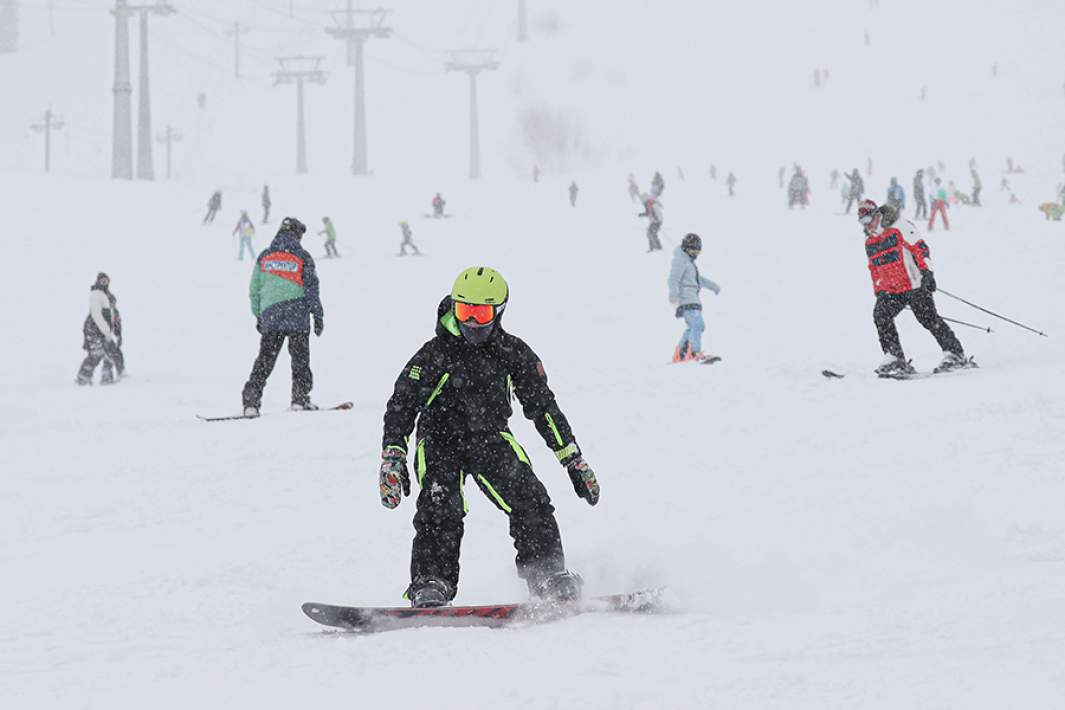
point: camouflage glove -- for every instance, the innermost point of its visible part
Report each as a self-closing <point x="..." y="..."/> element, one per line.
<point x="583" y="478"/>
<point x="394" y="479"/>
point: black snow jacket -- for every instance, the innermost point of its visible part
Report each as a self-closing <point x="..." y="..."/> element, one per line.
<point x="456" y="390"/>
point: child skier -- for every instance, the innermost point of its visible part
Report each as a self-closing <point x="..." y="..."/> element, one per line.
<point x="685" y="283"/>
<point x="458" y="387"/>
<point x="652" y="210"/>
<point x="404" y="227"/>
<point x="246" y="230"/>
<point x="902" y="277"/>
<point x="330" y="233"/>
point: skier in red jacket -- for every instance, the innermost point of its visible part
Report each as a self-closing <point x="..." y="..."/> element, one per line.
<point x="902" y="277"/>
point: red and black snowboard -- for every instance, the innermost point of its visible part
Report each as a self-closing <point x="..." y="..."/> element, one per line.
<point x="374" y="619"/>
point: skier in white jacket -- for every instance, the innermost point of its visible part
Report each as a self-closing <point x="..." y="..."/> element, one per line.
<point x="102" y="333"/>
<point x="685" y="282"/>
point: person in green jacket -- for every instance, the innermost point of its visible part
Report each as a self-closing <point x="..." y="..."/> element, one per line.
<point x="330" y="233"/>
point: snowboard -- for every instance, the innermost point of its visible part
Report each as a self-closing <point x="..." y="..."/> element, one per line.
<point x="338" y="407"/>
<point x="704" y="360"/>
<point x="375" y="619"/>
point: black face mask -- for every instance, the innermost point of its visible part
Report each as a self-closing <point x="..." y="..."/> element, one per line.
<point x="477" y="335"/>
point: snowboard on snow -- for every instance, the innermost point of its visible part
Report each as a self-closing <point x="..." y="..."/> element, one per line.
<point x="339" y="407"/>
<point x="375" y="619"/>
<point x="704" y="360"/>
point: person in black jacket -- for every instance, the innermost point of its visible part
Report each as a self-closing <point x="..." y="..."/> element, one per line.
<point x="102" y="335"/>
<point x="459" y="387"/>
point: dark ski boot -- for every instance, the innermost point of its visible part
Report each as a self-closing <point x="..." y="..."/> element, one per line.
<point x="563" y="586"/>
<point x="953" y="361"/>
<point x="428" y="593"/>
<point x="893" y="366"/>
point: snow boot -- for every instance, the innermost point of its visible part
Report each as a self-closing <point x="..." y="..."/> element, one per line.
<point x="563" y="586"/>
<point x="84" y="381"/>
<point x="894" y="365"/>
<point x="953" y="361"/>
<point x="428" y="593"/>
<point x="304" y="406"/>
<point x="250" y="411"/>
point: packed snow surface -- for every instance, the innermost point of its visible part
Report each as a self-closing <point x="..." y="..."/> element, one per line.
<point x="826" y="543"/>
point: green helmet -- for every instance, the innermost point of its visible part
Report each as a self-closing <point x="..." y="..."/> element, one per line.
<point x="481" y="285"/>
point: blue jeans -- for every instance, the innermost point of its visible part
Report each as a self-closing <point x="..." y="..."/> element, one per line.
<point x="693" y="333"/>
<point x="246" y="242"/>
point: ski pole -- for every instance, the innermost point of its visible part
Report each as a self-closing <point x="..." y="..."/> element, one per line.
<point x="971" y="325"/>
<point x="992" y="313"/>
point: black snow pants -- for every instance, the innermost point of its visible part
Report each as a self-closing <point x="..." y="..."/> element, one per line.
<point x="652" y="236"/>
<point x="299" y="349"/>
<point x="504" y="474"/>
<point x="889" y="305"/>
<point x="922" y="208"/>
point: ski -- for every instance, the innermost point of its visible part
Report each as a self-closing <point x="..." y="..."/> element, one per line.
<point x="970" y="364"/>
<point x="375" y="619"/>
<point x="832" y="375"/>
<point x="339" y="407"/>
<point x="709" y="359"/>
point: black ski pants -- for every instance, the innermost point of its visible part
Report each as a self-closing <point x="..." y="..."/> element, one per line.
<point x="299" y="349"/>
<point x="652" y="236"/>
<point x="921" y="212"/>
<point x="504" y="474"/>
<point x="920" y="301"/>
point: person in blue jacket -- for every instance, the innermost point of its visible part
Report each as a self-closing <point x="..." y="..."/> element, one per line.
<point x="685" y="282"/>
<point x="896" y="195"/>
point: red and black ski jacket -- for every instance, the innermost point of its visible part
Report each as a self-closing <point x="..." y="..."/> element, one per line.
<point x="895" y="265"/>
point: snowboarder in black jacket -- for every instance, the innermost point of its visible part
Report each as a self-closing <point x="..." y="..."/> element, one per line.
<point x="459" y="387"/>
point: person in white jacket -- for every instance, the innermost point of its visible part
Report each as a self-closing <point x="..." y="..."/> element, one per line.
<point x="685" y="282"/>
<point x="102" y="331"/>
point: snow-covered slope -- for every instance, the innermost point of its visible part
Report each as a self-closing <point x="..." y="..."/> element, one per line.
<point x="851" y="543"/>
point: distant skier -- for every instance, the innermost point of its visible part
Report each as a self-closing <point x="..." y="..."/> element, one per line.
<point x="896" y="196"/>
<point x="658" y="184"/>
<point x="680" y="173"/>
<point x="634" y="189"/>
<point x="102" y="333"/>
<point x="458" y="390"/>
<point x="573" y="189"/>
<point x="330" y="233"/>
<point x="857" y="190"/>
<point x="407" y="241"/>
<point x="921" y="209"/>
<point x="652" y="210"/>
<point x="246" y="230"/>
<point x="713" y="171"/>
<point x="685" y="282"/>
<point x="284" y="297"/>
<point x="977" y="187"/>
<point x="939" y="206"/>
<point x="902" y="277"/>
<point x="438" y="205"/>
<point x="798" y="189"/>
<point x="833" y="179"/>
<point x="731" y="182"/>
<point x="266" y="204"/>
<point x="536" y="174"/>
<point x="213" y="205"/>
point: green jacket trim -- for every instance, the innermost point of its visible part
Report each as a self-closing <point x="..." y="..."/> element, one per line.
<point x="492" y="492"/>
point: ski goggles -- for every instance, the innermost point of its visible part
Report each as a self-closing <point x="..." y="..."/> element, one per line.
<point x="483" y="313"/>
